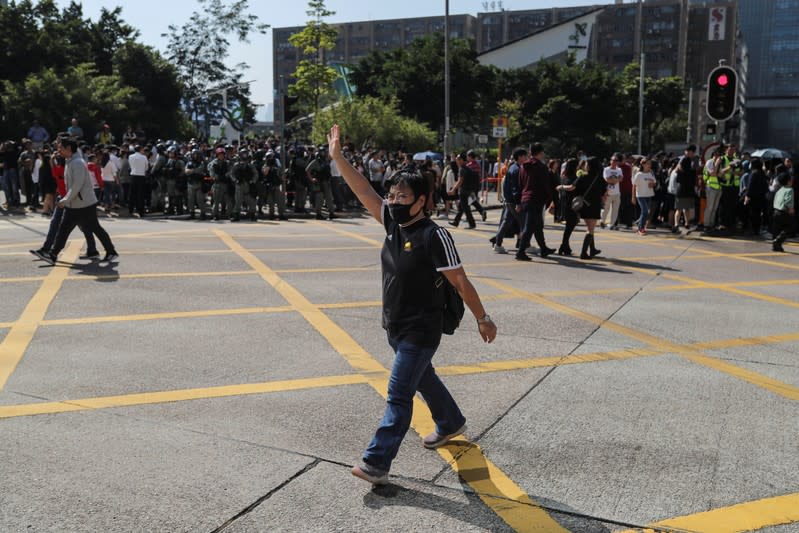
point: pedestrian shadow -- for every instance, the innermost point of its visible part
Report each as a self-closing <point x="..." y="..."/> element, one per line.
<point x="472" y="468"/>
<point x="472" y="512"/>
<point x="104" y="272"/>
<point x="594" y="265"/>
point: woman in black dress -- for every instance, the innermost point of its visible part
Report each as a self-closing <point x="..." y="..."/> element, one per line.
<point x="46" y="182"/>
<point x="593" y="188"/>
<point x="570" y="216"/>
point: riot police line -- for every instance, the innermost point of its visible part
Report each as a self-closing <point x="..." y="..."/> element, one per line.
<point x="226" y="182"/>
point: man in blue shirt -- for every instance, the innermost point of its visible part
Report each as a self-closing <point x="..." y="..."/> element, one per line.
<point x="512" y="197"/>
<point x="38" y="135"/>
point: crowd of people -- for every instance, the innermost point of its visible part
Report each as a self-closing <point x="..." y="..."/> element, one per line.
<point x="729" y="193"/>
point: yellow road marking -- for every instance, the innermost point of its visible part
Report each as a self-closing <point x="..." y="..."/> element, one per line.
<point x="148" y="398"/>
<point x="499" y="492"/>
<point x="541" y="362"/>
<point x="16" y="342"/>
<point x="751" y="341"/>
<point x="155" y="275"/>
<point x="22" y="279"/>
<point x="356" y="236"/>
<point x="336" y="336"/>
<point x="748" y="259"/>
<point x="164" y="316"/>
<point x="749" y="516"/>
<point x="687" y="351"/>
<point x="331" y="381"/>
<point x="21" y="244"/>
<point x="514" y="506"/>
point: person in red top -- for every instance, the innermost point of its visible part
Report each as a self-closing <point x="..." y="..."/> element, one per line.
<point x="537" y="193"/>
<point x="57" y="167"/>
<point x="96" y="175"/>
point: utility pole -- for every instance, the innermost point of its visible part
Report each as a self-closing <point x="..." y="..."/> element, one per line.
<point x="446" y="77"/>
<point x="641" y="103"/>
<point x="689" y="133"/>
<point x="641" y="80"/>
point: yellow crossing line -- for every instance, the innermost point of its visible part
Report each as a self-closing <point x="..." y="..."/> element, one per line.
<point x="16" y="342"/>
<point x="521" y="364"/>
<point x="164" y="316"/>
<point x="149" y="398"/>
<point x="749" y="516"/>
<point x="749" y="259"/>
<point x="334" y="381"/>
<point x="775" y="386"/>
<point x="770" y="384"/>
<point x="497" y="490"/>
<point x="751" y="341"/>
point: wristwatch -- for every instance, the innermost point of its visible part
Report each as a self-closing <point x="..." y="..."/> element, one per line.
<point x="485" y="319"/>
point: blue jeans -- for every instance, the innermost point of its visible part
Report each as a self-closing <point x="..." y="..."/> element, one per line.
<point x="412" y="371"/>
<point x="643" y="203"/>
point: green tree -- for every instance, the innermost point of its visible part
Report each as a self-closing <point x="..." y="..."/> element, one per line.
<point x="80" y="91"/>
<point x="198" y="50"/>
<point x="371" y="121"/>
<point x="44" y="46"/>
<point x="663" y="103"/>
<point x="314" y="78"/>
<point x="415" y="76"/>
<point x="155" y="79"/>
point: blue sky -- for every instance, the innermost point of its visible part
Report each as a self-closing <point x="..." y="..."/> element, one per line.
<point x="152" y="17"/>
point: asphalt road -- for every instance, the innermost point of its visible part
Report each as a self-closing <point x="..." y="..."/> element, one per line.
<point x="228" y="376"/>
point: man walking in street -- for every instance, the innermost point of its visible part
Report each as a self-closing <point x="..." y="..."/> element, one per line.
<point x="80" y="205"/>
<point x="511" y="198"/>
<point x="537" y="193"/>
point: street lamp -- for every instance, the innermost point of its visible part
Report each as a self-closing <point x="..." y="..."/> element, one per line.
<point x="446" y="77"/>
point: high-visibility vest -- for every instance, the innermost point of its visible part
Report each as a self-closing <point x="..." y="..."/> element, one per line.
<point x="732" y="178"/>
<point x="711" y="181"/>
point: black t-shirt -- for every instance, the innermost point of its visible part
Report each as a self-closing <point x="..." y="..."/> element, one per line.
<point x="471" y="179"/>
<point x="412" y="301"/>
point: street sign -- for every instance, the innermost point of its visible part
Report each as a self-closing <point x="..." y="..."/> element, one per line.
<point x="482" y="139"/>
<point x="500" y="132"/>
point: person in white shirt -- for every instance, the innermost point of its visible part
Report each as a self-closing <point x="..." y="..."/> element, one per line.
<point x="109" y="170"/>
<point x="139" y="165"/>
<point x="644" y="183"/>
<point x="613" y="176"/>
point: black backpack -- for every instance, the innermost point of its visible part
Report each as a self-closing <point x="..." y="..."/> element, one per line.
<point x="452" y="301"/>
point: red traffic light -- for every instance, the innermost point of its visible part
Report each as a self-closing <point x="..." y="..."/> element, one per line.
<point x="722" y="91"/>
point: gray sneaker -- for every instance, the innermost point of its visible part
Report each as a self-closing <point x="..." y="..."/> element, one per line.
<point x="499" y="249"/>
<point x="372" y="474"/>
<point x="434" y="440"/>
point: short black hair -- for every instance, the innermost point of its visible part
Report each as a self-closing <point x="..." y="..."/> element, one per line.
<point x="690" y="148"/>
<point x="757" y="164"/>
<point x="536" y="148"/>
<point x="71" y="142"/>
<point x="783" y="179"/>
<point x="414" y="180"/>
<point x="518" y="152"/>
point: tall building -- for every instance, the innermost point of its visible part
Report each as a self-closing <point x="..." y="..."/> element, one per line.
<point x="769" y="28"/>
<point x="501" y="27"/>
<point x="677" y="37"/>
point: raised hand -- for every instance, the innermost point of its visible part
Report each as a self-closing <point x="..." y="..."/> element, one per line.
<point x="333" y="142"/>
